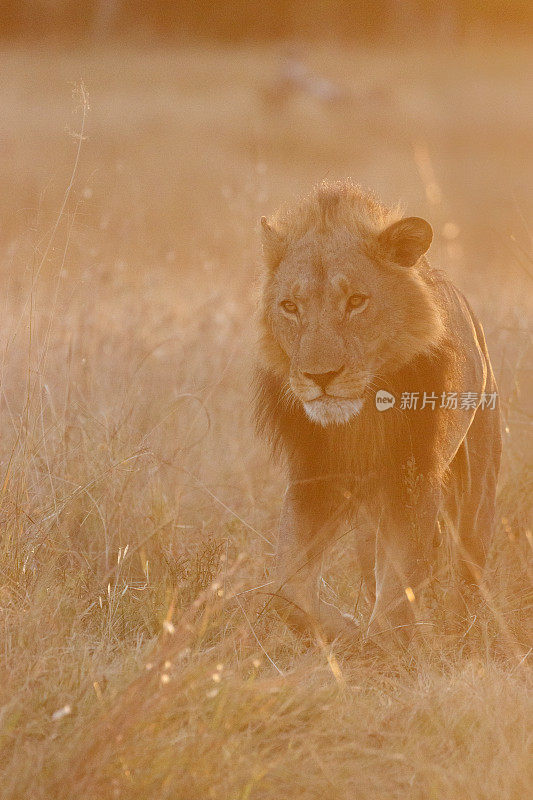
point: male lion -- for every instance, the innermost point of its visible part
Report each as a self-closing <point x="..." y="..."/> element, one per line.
<point x="352" y="309"/>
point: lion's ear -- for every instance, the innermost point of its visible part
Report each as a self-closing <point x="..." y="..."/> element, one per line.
<point x="405" y="241"/>
<point x="274" y="244"/>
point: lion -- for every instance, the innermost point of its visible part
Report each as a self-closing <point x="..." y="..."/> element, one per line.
<point x="374" y="382"/>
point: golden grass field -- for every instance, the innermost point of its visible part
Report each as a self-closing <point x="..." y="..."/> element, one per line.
<point x="138" y="510"/>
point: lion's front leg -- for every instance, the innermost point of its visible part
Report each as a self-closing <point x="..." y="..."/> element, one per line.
<point x="306" y="530"/>
<point x="403" y="569"/>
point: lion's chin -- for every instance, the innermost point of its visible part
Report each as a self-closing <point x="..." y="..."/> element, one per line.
<point x="332" y="411"/>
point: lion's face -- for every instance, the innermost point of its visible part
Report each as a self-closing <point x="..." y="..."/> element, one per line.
<point x="341" y="320"/>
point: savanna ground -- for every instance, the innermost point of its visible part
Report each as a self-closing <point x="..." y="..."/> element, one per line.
<point x="138" y="511"/>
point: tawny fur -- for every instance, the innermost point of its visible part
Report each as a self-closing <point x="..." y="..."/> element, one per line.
<point x="400" y="469"/>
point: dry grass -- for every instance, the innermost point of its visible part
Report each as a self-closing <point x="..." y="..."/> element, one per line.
<point x="136" y="505"/>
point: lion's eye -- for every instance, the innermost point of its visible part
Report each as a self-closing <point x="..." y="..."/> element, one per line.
<point x="289" y="306"/>
<point x="357" y="302"/>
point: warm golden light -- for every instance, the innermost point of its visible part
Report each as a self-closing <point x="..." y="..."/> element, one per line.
<point x="144" y="649"/>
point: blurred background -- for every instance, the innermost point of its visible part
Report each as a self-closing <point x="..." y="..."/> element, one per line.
<point x="237" y="20"/>
<point x="141" y="140"/>
<point x="200" y="117"/>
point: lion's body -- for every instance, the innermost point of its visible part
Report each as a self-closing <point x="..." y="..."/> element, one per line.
<point x="390" y="474"/>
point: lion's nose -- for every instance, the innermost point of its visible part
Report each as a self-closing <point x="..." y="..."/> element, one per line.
<point x="323" y="379"/>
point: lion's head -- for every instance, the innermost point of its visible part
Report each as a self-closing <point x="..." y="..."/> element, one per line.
<point x="344" y="301"/>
